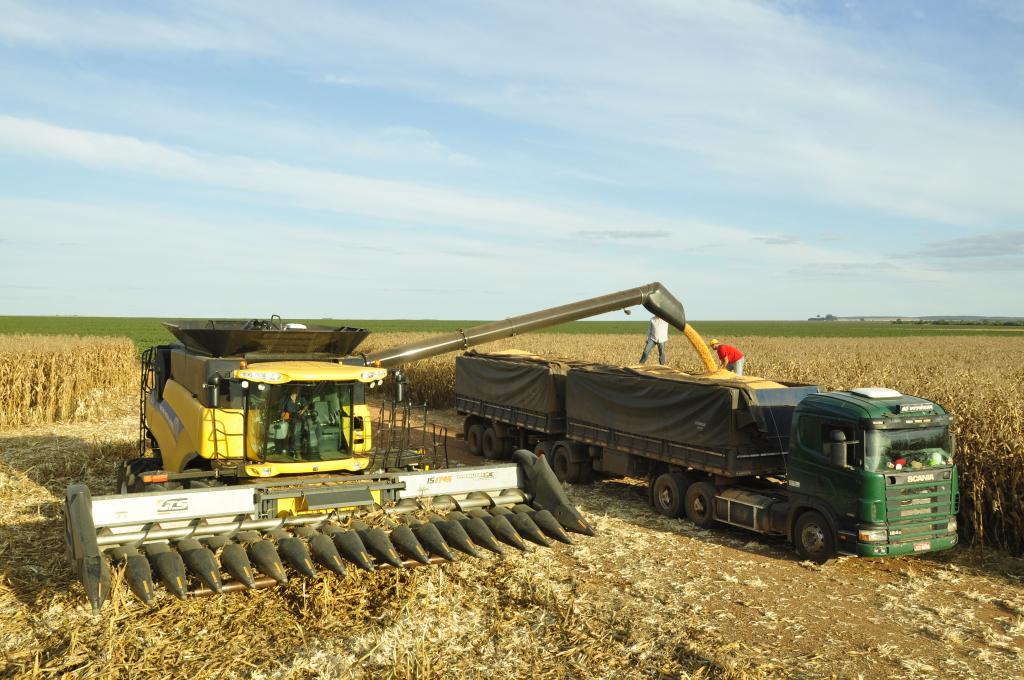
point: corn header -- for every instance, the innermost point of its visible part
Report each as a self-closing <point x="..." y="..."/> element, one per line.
<point x="260" y="459"/>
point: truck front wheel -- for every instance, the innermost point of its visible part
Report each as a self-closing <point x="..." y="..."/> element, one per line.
<point x="700" y="504"/>
<point x="475" y="438"/>
<point x="813" y="538"/>
<point x="668" y="494"/>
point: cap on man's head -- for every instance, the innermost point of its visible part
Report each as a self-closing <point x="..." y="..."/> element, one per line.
<point x="714" y="341"/>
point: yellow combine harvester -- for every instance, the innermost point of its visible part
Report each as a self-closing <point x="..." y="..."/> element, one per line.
<point x="257" y="452"/>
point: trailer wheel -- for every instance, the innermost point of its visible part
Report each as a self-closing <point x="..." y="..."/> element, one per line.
<point x="568" y="470"/>
<point x="474" y="439"/>
<point x="700" y="504"/>
<point x="492" y="445"/>
<point x="813" y="538"/>
<point x="668" y="494"/>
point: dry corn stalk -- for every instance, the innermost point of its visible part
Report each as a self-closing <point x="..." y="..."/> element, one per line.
<point x="46" y="379"/>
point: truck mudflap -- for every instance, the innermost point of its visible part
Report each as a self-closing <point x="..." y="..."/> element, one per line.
<point x="222" y="539"/>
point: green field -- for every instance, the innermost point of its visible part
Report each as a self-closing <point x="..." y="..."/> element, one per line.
<point x="148" y="331"/>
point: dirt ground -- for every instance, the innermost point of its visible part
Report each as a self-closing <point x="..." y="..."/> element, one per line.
<point x="647" y="597"/>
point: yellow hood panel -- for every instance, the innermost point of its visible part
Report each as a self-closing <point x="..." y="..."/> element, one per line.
<point x="277" y="372"/>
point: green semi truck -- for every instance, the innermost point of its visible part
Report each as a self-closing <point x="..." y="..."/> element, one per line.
<point x="863" y="472"/>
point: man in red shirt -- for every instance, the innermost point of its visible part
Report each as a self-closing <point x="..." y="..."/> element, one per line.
<point x="732" y="359"/>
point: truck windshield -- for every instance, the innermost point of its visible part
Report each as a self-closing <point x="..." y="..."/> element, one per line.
<point x="911" y="449"/>
<point x="300" y="422"/>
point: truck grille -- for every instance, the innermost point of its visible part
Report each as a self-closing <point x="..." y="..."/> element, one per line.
<point x="917" y="512"/>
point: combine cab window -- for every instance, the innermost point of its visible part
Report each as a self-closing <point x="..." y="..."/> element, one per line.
<point x="907" y="449"/>
<point x="301" y="422"/>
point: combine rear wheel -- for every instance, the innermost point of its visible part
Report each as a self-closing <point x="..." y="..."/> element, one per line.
<point x="669" y="492"/>
<point x="700" y="504"/>
<point x="474" y="439"/>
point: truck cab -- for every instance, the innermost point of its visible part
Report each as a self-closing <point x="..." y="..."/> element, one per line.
<point x="876" y="467"/>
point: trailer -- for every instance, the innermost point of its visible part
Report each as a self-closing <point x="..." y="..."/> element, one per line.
<point x="863" y="472"/>
<point x="510" y="400"/>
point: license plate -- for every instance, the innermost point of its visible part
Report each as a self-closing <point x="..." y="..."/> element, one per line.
<point x="922" y="546"/>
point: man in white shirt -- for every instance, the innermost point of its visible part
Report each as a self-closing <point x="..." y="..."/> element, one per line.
<point x="657" y="334"/>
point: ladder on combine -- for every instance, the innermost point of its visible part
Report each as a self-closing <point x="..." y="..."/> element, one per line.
<point x="145" y="387"/>
<point x="404" y="435"/>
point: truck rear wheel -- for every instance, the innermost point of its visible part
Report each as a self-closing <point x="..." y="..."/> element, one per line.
<point x="492" y="445"/>
<point x="813" y="538"/>
<point x="566" y="469"/>
<point x="700" y="504"/>
<point x="475" y="438"/>
<point x="668" y="494"/>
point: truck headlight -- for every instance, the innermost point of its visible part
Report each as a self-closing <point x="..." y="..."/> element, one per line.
<point x="951" y="525"/>
<point x="868" y="535"/>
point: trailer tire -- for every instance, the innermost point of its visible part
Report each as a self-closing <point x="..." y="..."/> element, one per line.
<point x="700" y="504"/>
<point x="492" y="446"/>
<point x="668" y="494"/>
<point x="567" y="470"/>
<point x="813" y="537"/>
<point x="475" y="439"/>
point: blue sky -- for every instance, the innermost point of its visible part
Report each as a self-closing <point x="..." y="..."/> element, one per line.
<point x="482" y="159"/>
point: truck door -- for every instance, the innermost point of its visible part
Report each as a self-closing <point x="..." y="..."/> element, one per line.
<point x="811" y="472"/>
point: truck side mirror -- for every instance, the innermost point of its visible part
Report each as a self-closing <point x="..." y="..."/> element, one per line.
<point x="837" y="453"/>
<point x="213" y="392"/>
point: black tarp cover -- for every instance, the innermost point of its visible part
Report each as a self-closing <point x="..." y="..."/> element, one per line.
<point x="514" y="378"/>
<point x="664" y="403"/>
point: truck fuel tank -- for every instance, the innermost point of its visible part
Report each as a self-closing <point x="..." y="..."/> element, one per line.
<point x="751" y="510"/>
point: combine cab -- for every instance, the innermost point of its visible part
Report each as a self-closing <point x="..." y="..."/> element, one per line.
<point x="257" y="460"/>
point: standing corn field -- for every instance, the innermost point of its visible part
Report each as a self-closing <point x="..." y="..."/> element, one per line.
<point x="52" y="378"/>
<point x="45" y="379"/>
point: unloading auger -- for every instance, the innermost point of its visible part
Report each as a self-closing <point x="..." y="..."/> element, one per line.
<point x="260" y="462"/>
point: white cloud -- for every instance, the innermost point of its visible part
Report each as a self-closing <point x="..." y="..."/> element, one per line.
<point x="765" y="98"/>
<point x="405" y="202"/>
